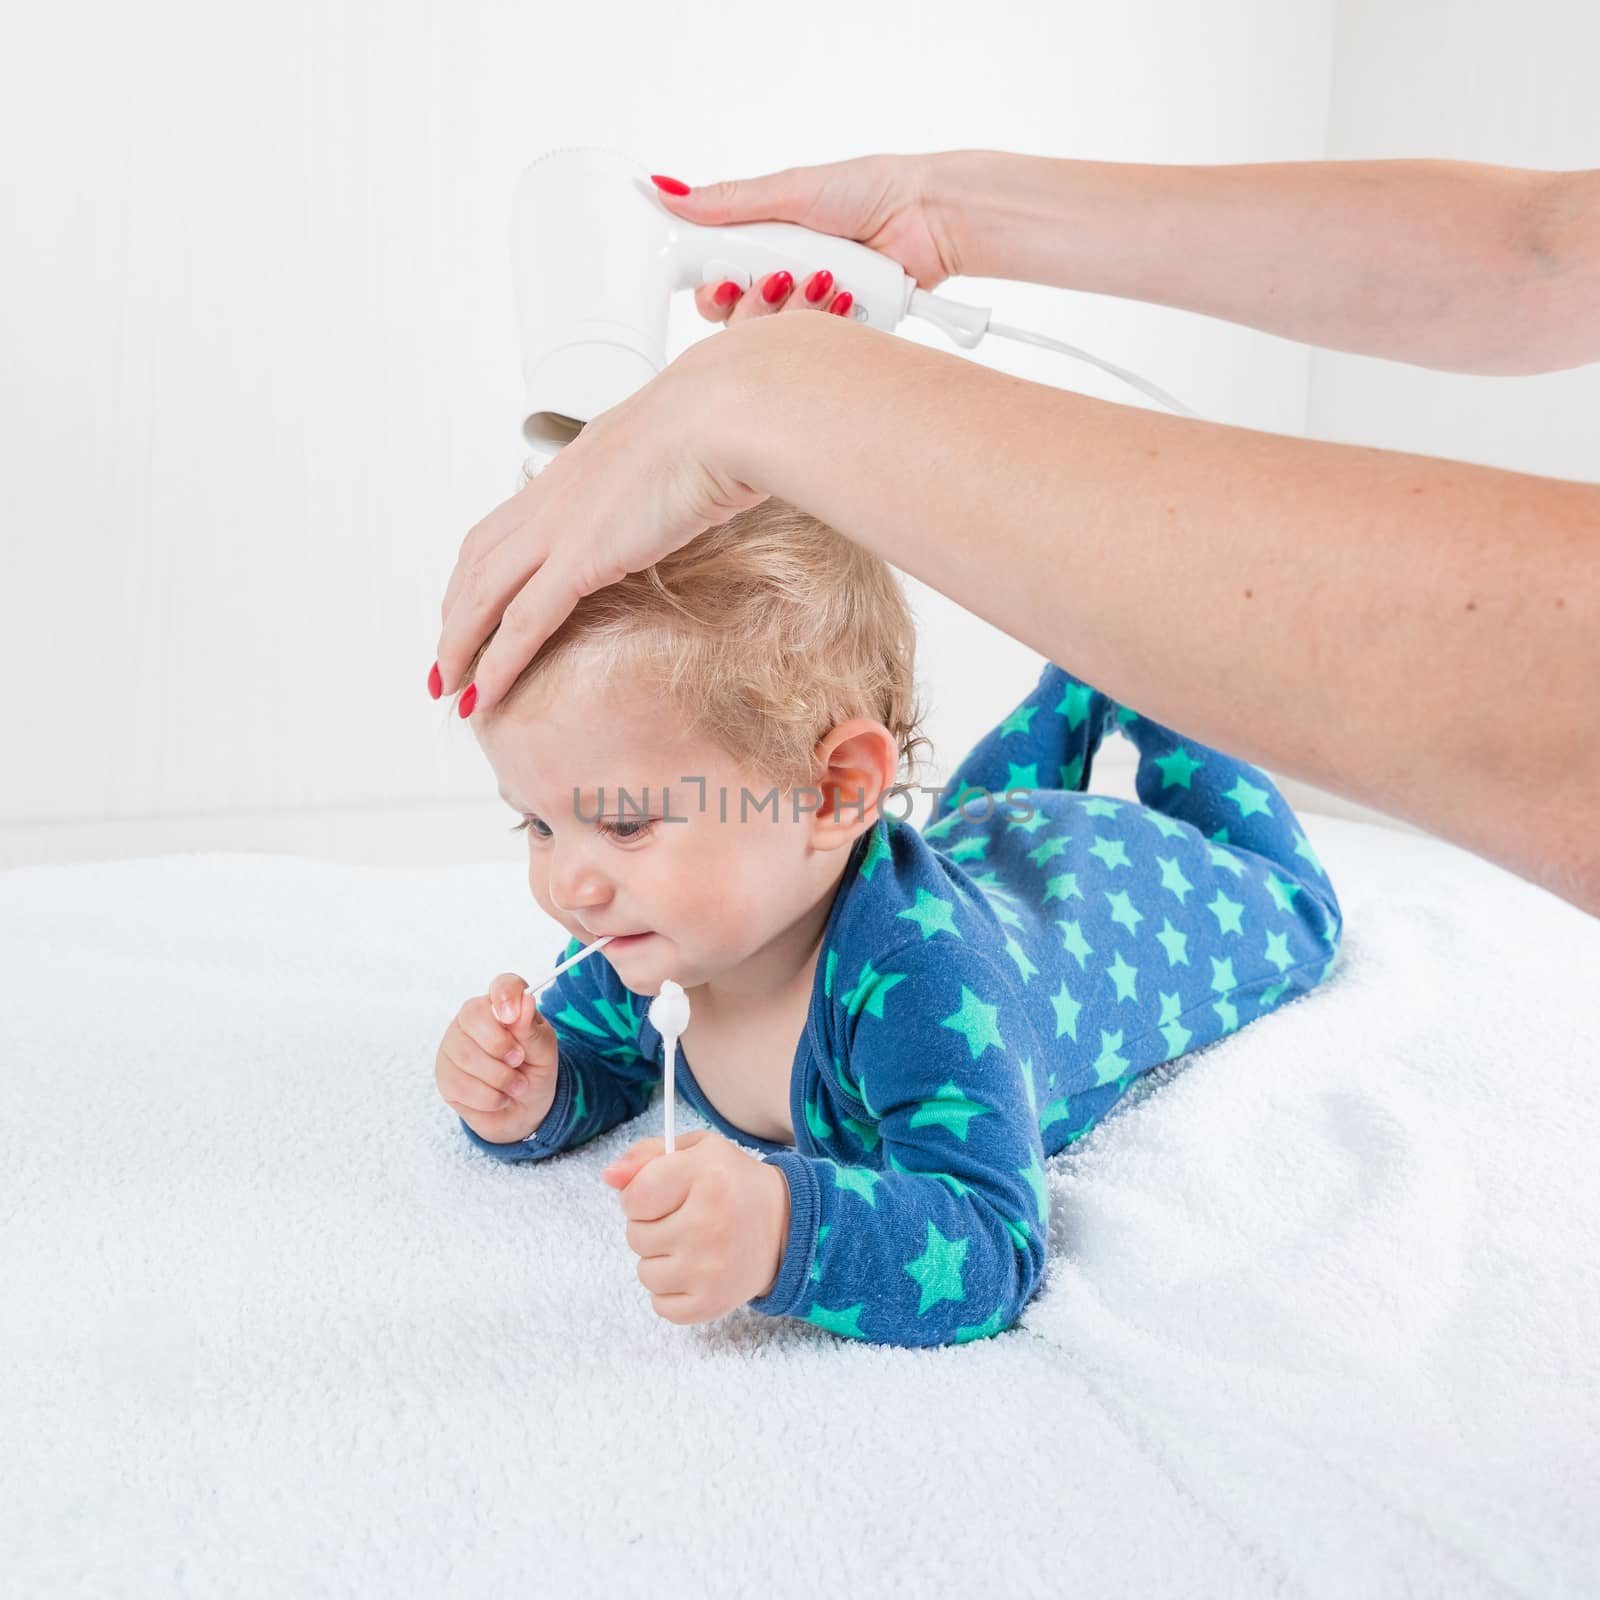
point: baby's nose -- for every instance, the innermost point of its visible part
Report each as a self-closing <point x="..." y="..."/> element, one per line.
<point x="572" y="896"/>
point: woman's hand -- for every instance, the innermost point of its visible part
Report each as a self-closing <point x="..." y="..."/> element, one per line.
<point x="709" y="1223"/>
<point x="887" y="203"/>
<point x="638" y="482"/>
<point x="641" y="479"/>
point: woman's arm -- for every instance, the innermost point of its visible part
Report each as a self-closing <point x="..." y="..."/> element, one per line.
<point x="1448" y="264"/>
<point x="1419" y="635"/>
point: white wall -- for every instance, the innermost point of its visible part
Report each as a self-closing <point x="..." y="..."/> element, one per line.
<point x="1499" y="81"/>
<point x="1513" y="84"/>
<point x="260" y="371"/>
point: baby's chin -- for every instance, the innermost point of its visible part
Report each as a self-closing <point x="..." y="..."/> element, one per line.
<point x="645" y="964"/>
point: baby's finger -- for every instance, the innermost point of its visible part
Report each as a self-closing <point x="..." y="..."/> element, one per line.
<point x="715" y="300"/>
<point x="530" y="1019"/>
<point x="493" y="1038"/>
<point x="476" y="1080"/>
<point x="505" y="996"/>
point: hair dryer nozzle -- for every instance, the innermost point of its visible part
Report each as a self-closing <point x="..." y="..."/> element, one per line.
<point x="588" y="248"/>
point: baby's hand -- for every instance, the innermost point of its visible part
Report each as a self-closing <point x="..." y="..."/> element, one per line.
<point x="709" y="1223"/>
<point x="496" y="1066"/>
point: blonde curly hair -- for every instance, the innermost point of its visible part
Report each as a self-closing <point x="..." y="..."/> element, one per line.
<point x="764" y="633"/>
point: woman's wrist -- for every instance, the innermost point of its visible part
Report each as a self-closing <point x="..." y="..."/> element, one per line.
<point x="1096" y="226"/>
<point x="753" y="383"/>
<point x="1002" y="215"/>
<point x="963" y="198"/>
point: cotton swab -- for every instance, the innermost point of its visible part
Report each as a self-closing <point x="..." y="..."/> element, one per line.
<point x="571" y="961"/>
<point x="669" y="1013"/>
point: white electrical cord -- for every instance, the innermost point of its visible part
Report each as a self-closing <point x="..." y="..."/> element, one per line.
<point x="1142" y="384"/>
<point x="968" y="324"/>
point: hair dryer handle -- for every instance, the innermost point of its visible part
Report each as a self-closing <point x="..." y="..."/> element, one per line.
<point x="747" y="251"/>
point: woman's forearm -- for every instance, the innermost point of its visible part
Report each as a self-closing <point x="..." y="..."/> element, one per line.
<point x="1448" y="264"/>
<point x="1420" y="635"/>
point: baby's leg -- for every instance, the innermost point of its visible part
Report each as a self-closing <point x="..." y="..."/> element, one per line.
<point x="1048" y="742"/>
<point x="1223" y="910"/>
<point x="1180" y="919"/>
<point x="1244" y="817"/>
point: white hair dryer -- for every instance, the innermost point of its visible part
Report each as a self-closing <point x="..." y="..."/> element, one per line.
<point x="598" y="257"/>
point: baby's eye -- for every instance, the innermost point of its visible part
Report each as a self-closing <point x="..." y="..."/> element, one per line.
<point x="625" y="832"/>
<point x="615" y="829"/>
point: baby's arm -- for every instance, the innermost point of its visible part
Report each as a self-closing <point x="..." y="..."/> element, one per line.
<point x="946" y="1242"/>
<point x="602" y="1078"/>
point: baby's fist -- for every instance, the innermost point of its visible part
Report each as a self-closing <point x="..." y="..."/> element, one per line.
<point x="497" y="1065"/>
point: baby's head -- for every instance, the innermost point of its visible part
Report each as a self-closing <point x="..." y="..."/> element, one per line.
<point x="755" y="687"/>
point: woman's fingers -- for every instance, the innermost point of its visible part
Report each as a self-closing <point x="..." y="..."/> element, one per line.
<point x="461" y="634"/>
<point x="879" y="200"/>
<point x="480" y="596"/>
<point x="820" y="292"/>
<point x="640" y="480"/>
<point x="540" y="601"/>
<point x="788" y="195"/>
<point x="483" y="536"/>
<point x="774" y="291"/>
<point x="513" y="591"/>
<point x="765" y="297"/>
<point x="714" y="301"/>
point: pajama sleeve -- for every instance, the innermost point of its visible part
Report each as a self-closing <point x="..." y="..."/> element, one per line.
<point x="944" y="1241"/>
<point x="602" y="1078"/>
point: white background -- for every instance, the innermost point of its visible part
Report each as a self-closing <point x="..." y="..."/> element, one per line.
<point x="260" y="371"/>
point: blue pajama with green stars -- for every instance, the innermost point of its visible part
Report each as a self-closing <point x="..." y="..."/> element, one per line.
<point x="986" y="990"/>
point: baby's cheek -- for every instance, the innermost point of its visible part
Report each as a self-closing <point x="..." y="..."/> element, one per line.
<point x="715" y="910"/>
<point x="702" y="907"/>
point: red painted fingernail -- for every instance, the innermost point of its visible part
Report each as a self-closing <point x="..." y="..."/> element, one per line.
<point x="842" y="305"/>
<point x="468" y="701"/>
<point x="818" y="285"/>
<point x="777" y="286"/>
<point x="727" y="292"/>
<point x="435" y="682"/>
<point x="670" y="185"/>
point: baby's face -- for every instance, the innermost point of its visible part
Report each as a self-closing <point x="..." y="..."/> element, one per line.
<point x="699" y="894"/>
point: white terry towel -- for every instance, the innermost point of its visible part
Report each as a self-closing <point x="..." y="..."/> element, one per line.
<point x="1321" y="1314"/>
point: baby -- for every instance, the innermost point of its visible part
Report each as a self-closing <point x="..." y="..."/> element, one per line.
<point x="707" y="758"/>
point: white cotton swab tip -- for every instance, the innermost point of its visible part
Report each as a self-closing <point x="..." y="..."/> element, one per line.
<point x="669" y="1011"/>
<point x="669" y="1014"/>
